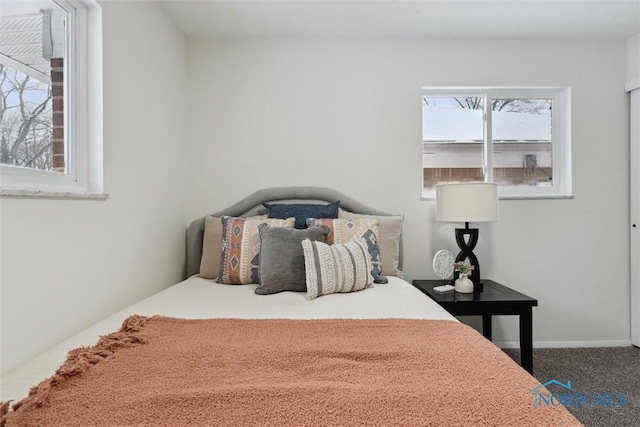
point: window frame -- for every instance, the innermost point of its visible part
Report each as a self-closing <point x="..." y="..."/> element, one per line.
<point x="560" y="135"/>
<point x="83" y="109"/>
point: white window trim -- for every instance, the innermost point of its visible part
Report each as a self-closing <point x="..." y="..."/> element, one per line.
<point x="561" y="137"/>
<point x="83" y="127"/>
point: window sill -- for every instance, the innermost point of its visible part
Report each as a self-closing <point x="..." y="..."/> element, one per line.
<point x="39" y="194"/>
<point x="425" y="198"/>
<point x="536" y="197"/>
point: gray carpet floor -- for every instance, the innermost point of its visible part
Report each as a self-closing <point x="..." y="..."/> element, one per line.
<point x="593" y="370"/>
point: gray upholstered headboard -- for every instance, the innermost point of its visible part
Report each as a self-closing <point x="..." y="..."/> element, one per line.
<point x="252" y="205"/>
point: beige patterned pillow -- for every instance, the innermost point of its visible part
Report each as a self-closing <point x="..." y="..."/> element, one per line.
<point x="240" y="258"/>
<point x="345" y="230"/>
<point x="212" y="246"/>
<point x="389" y="230"/>
<point x="336" y="268"/>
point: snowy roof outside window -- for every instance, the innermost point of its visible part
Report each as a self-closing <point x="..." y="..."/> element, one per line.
<point x="465" y="125"/>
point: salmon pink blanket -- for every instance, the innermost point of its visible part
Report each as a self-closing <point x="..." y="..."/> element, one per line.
<point x="161" y="371"/>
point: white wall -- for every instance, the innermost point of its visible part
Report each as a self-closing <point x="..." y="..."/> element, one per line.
<point x="347" y="114"/>
<point x="68" y="263"/>
<point x="633" y="58"/>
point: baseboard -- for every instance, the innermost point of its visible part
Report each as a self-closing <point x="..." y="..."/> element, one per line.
<point x="566" y="344"/>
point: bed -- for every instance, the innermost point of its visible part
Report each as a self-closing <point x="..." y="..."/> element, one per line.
<point x="207" y="353"/>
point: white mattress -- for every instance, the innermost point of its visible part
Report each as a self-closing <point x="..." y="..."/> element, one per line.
<point x="197" y="298"/>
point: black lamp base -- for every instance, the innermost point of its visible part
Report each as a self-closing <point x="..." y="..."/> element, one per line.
<point x="466" y="252"/>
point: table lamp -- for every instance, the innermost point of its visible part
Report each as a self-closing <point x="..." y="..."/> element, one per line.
<point x="467" y="202"/>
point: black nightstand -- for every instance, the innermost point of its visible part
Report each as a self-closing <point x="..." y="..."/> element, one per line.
<point x="495" y="299"/>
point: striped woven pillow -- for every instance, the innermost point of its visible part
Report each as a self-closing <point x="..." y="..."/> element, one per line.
<point x="345" y="230"/>
<point x="336" y="268"/>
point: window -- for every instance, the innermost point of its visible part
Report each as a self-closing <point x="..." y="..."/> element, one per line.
<point x="46" y="103"/>
<point x="518" y="138"/>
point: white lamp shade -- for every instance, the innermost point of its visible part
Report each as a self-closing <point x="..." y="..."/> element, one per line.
<point x="468" y="202"/>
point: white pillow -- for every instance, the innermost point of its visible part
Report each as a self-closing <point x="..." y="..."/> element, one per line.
<point x="336" y="268"/>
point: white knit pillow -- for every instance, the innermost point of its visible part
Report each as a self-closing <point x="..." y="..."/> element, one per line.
<point x="336" y="268"/>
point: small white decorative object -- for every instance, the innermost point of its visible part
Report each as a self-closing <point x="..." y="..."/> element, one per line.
<point x="443" y="264"/>
<point x="443" y="267"/>
<point x="464" y="285"/>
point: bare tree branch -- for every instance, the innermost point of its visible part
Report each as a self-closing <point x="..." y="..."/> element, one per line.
<point x="29" y="162"/>
<point x="25" y="120"/>
<point x="26" y="126"/>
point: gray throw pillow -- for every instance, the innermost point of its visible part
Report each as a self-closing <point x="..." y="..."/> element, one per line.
<point x="282" y="258"/>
